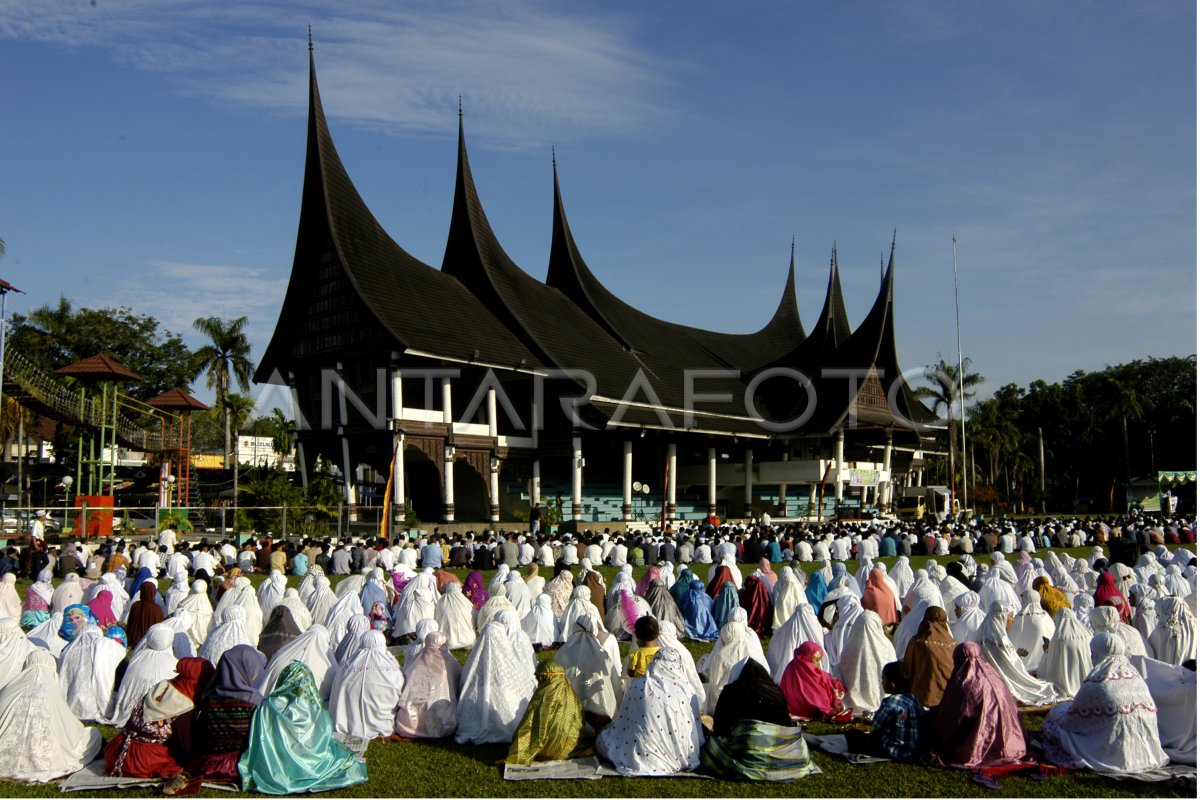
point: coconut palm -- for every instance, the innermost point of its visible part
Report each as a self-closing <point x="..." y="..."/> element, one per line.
<point x="226" y="359"/>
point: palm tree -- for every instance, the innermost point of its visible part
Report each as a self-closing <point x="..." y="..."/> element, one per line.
<point x="226" y="359"/>
<point x="282" y="435"/>
<point x="1122" y="404"/>
<point x="943" y="390"/>
<point x="236" y="409"/>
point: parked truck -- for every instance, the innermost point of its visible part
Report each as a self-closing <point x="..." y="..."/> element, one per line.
<point x="917" y="503"/>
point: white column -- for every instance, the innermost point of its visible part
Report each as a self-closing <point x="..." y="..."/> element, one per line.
<point x="447" y="408"/>
<point x="627" y="480"/>
<point x="782" y="505"/>
<point x="576" y="477"/>
<point x="712" y="481"/>
<point x="448" y="485"/>
<point x="749" y="477"/>
<point x="301" y="464"/>
<point x="349" y="476"/>
<point x="494" y="488"/>
<point x="840" y="463"/>
<point x="812" y="500"/>
<point x="886" y="497"/>
<point x="493" y="429"/>
<point x="398" y="498"/>
<point x="535" y="483"/>
<point x="671" y="471"/>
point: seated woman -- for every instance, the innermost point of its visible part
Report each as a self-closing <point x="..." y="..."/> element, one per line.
<point x="697" y="610"/>
<point x="291" y="746"/>
<point x="755" y="598"/>
<point x="1112" y="724"/>
<point x="39" y="736"/>
<point x="87" y="671"/>
<point x="552" y="728"/>
<point x="222" y="725"/>
<point x="930" y="657"/>
<point x="144" y="613"/>
<point x="149" y="745"/>
<point x="753" y="738"/>
<point x="496" y="686"/>
<point x="366" y="689"/>
<point x="1174" y="692"/>
<point x="977" y="723"/>
<point x="811" y="692"/>
<point x="657" y="729"/>
<point x="37" y="600"/>
<point x="428" y="704"/>
<point x="998" y="649"/>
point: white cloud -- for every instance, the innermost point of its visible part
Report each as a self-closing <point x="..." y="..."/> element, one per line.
<point x="528" y="71"/>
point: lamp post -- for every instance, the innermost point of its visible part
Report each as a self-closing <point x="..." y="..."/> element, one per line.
<point x="66" y="484"/>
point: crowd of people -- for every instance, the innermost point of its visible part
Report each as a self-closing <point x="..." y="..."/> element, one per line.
<point x="277" y="689"/>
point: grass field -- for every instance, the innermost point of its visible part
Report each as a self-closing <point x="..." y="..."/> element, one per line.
<point x="445" y="769"/>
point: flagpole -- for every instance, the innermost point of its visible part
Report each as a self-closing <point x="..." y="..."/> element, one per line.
<point x="962" y="414"/>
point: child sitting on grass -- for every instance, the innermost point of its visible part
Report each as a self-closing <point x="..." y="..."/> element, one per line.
<point x="645" y="631"/>
<point x="896" y="726"/>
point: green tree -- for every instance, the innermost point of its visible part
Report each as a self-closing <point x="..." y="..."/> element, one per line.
<point x="279" y="428"/>
<point x="226" y="360"/>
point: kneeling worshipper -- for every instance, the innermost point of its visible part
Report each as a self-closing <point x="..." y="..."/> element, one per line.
<point x="1068" y="659"/>
<point x="864" y="656"/>
<point x="1112" y="724"/>
<point x="497" y="683"/>
<point x="811" y="692"/>
<point x="735" y="650"/>
<point x="156" y="737"/>
<point x="456" y="617"/>
<point x="968" y="618"/>
<point x="657" y="729"/>
<point x="896" y="726"/>
<point x="879" y="597"/>
<point x="977" y="723"/>
<point x="1173" y="640"/>
<point x="87" y="672"/>
<point x="366" y="690"/>
<point x="143" y="613"/>
<point x="552" y="728"/>
<point x="999" y="651"/>
<point x="355" y="628"/>
<point x="40" y="738"/>
<point x="785" y="596"/>
<point x="498" y="601"/>
<point x="1174" y="692"/>
<point x="1031" y="631"/>
<point x="802" y="626"/>
<point x="38" y="597"/>
<point x="291" y="748"/>
<point x="697" y="610"/>
<point x="311" y="647"/>
<point x="222" y="724"/>
<point x="46" y="635"/>
<point x="1107" y="594"/>
<point x="1108" y="618"/>
<point x="228" y="634"/>
<point x="540" y="624"/>
<point x="668" y="636"/>
<point x="580" y="605"/>
<point x="755" y="599"/>
<point x="753" y="737"/>
<point x="280" y="629"/>
<point x="154" y="663"/>
<point x="930" y="658"/>
<point x="428" y="703"/>
<point x="200" y="607"/>
<point x="15" y="647"/>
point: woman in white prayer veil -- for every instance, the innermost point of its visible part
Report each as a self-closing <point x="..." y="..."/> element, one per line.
<point x="668" y="636"/>
<point x="40" y="737"/>
<point x="366" y="690"/>
<point x="496" y="687"/>
<point x="242" y="594"/>
<point x="321" y="600"/>
<point x="180" y="628"/>
<point x="1145" y="611"/>
<point x="520" y="641"/>
<point x="1174" y="693"/>
<point x="667" y="573"/>
<point x="300" y="613"/>
<point x="312" y="647"/>
<point x="998" y="650"/>
<point x="1111" y="726"/>
<point x="1083" y="606"/>
<point x="995" y="589"/>
<point x="923" y="588"/>
<point x="119" y="598"/>
<point x="146" y="668"/>
<point x="623" y="580"/>
<point x="750" y="641"/>
<point x="1030" y="627"/>
<point x="498" y="580"/>
<point x="200" y="608"/>
<point x="68" y="593"/>
<point x="517" y="592"/>
<point x="788" y="593"/>
<point x="424" y="628"/>
<point x="1173" y="639"/>
<point x="232" y="631"/>
<point x="1176" y="584"/>
<point x="308" y="584"/>
<point x="1061" y="576"/>
<point x="952" y="589"/>
<point x="1069" y="657"/>
<point x="734" y="650"/>
<point x="1146" y="566"/>
<point x="414" y="604"/>
<point x="178" y="591"/>
<point x="1003" y="568"/>
<point x="910" y="623"/>
<point x="455" y="617"/>
<point x="540" y="624"/>
<point x="14" y="648"/>
<point x="861" y="666"/>
<point x="428" y="704"/>
<point x="348" y="646"/>
<point x="495" y="604"/>
<point x="735" y="573"/>
<point x="1108" y="618"/>
<point x="968" y="618"/>
<point x="1035" y="570"/>
<point x="345" y="609"/>
<point x="87" y="670"/>
<point x="592" y="669"/>
<point x="270" y="592"/>
<point x="849" y="609"/>
<point x="657" y="729"/>
<point x="802" y="626"/>
<point x="46" y="635"/>
<point x="580" y="605"/>
<point x="902" y="575"/>
<point x="353" y="583"/>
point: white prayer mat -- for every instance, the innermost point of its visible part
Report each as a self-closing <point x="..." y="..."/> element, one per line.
<point x="835" y="744"/>
<point x="92" y="779"/>
<point x="590" y="768"/>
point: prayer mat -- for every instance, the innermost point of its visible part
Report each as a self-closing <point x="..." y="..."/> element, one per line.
<point x="835" y="744"/>
<point x="92" y="779"/>
<point x="589" y="768"/>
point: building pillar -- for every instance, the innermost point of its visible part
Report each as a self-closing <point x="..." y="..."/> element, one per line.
<point x="535" y="483"/>
<point x="781" y="506"/>
<point x="301" y="464"/>
<point x="886" y="498"/>
<point x="447" y="407"/>
<point x="672" y="463"/>
<point x="576" y="478"/>
<point x="493" y="427"/>
<point x="398" y="498"/>
<point x="627" y="480"/>
<point x="839" y="461"/>
<point x="448" y="484"/>
<point x="749" y="477"/>
<point x="812" y="500"/>
<point x="494" y="488"/>
<point x="712" y="481"/>
<point x="349" y="474"/>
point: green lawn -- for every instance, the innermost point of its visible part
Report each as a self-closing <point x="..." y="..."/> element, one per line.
<point x="445" y="769"/>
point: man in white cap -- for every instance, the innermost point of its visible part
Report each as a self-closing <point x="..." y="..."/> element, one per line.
<point x="37" y="529"/>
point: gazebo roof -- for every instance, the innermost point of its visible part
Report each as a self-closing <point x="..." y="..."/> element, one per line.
<point x="99" y="367"/>
<point x="177" y="400"/>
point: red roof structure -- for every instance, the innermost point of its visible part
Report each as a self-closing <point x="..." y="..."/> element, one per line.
<point x="99" y="367"/>
<point x="177" y="400"/>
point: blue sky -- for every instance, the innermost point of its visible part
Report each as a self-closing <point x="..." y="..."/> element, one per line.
<point x="153" y="153"/>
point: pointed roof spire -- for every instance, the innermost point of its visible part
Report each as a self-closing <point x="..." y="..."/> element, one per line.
<point x="553" y="160"/>
<point x="310" y="49"/>
<point x="460" y="111"/>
